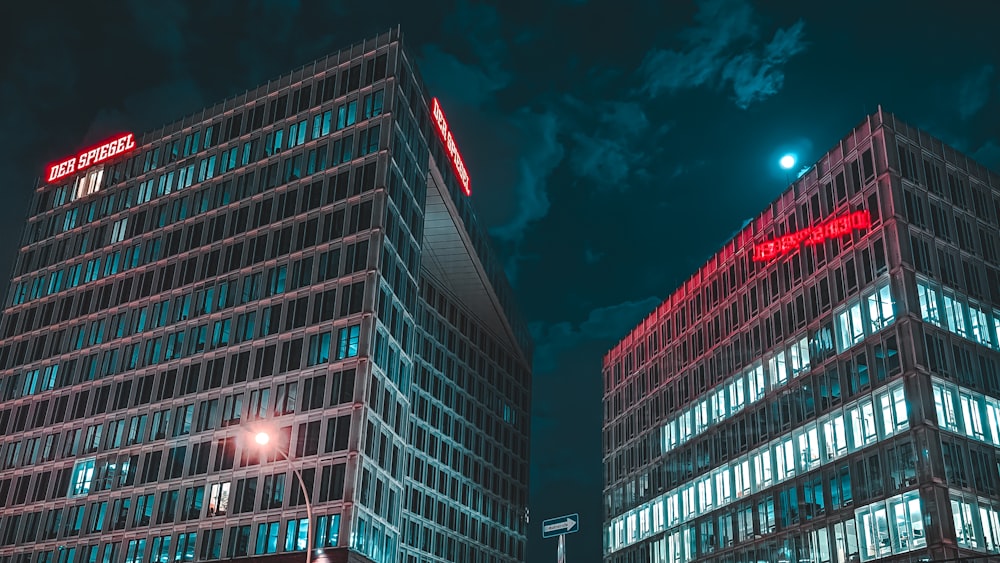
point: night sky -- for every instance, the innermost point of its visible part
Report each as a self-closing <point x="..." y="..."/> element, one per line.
<point x="612" y="146"/>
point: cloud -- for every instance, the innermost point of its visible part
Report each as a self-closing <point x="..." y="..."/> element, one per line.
<point x="974" y="91"/>
<point x="606" y="150"/>
<point x="755" y="77"/>
<point x="721" y="50"/>
<point x="160" y="24"/>
<point x="542" y="153"/>
<point x="988" y="154"/>
<point x="604" y="324"/>
<point x="591" y="256"/>
<point x="470" y="83"/>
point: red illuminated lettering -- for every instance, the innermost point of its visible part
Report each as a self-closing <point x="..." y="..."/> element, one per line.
<point x="92" y="156"/>
<point x="449" y="143"/>
<point x="812" y="236"/>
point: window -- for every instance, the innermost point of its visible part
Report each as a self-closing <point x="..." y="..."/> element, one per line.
<point x="267" y="538"/>
<point x="83" y="477"/>
<point x="850" y="329"/>
<point x="965" y="528"/>
<point x="218" y="499"/>
<point x="892" y="407"/>
<point x="296" y="534"/>
<point x="954" y="312"/>
<point x="945" y="406"/>
<point x="879" y="309"/>
<point x="894" y="526"/>
<point x="328" y="530"/>
<point x="347" y="342"/>
<point x="862" y="419"/>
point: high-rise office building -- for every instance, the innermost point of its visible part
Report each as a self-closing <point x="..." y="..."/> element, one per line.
<point x="826" y="388"/>
<point x="301" y="264"/>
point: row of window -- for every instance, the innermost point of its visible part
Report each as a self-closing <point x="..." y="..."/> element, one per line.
<point x="184" y="546"/>
<point x="952" y="311"/>
<point x="205" y="233"/>
<point x="857" y="426"/>
<point x="233" y="292"/>
<point x="782" y="366"/>
<point x="890" y="527"/>
<point x="962" y="411"/>
<point x="977" y="523"/>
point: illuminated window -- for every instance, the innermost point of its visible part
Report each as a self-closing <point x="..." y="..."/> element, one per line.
<point x="347" y="342"/>
<point x="218" y="499"/>
<point x="892" y="405"/>
<point x="965" y="528"/>
<point x="296" y="534"/>
<point x="993" y="420"/>
<point x="755" y="382"/>
<point x="862" y="418"/>
<point x="267" y="538"/>
<point x="990" y="520"/>
<point x="89" y="183"/>
<point x="944" y="404"/>
<point x="83" y="477"/>
<point x="135" y="551"/>
<point x="954" y="312"/>
<point x="850" y="329"/>
<point x="980" y="325"/>
<point x="784" y="459"/>
<point x="328" y="531"/>
<point x="741" y="474"/>
<point x="798" y="356"/>
<point x="972" y="416"/>
<point x="736" y="395"/>
<point x="776" y="369"/>
<point x="880" y="309"/>
<point x="762" y="468"/>
<point x="835" y="436"/>
<point x="809" y="452"/>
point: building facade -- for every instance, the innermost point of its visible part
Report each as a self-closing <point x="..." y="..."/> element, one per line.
<point x="827" y="387"/>
<point x="301" y="261"/>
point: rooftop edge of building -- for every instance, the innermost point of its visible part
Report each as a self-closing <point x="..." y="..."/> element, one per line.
<point x="742" y="242"/>
<point x="512" y="327"/>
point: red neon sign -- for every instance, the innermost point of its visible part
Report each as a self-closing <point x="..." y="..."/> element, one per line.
<point x="449" y="142"/>
<point x="812" y="236"/>
<point x="93" y="156"/>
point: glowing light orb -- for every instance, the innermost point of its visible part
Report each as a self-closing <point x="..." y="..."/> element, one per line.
<point x="262" y="438"/>
<point x="787" y="161"/>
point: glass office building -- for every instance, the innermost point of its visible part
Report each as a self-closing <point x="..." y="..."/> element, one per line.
<point x="826" y="388"/>
<point x="301" y="260"/>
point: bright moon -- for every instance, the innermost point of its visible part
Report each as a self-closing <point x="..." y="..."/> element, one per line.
<point x="787" y="161"/>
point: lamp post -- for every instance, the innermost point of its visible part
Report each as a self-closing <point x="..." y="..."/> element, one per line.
<point x="262" y="439"/>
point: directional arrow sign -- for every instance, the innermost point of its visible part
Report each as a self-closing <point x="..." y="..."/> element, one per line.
<point x="560" y="526"/>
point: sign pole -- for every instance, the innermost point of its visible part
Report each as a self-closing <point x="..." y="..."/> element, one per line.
<point x="561" y="553"/>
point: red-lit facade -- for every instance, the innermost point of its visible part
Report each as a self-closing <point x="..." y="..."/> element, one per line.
<point x="827" y="387"/>
<point x="300" y="260"/>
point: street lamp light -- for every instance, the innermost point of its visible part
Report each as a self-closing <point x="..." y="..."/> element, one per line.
<point x="263" y="439"/>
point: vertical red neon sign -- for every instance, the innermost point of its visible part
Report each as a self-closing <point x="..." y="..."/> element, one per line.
<point x="449" y="143"/>
<point x="812" y="236"/>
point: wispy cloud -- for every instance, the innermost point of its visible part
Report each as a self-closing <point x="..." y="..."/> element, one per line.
<point x="609" y="141"/>
<point x="723" y="50"/>
<point x="602" y="325"/>
<point x="974" y="91"/>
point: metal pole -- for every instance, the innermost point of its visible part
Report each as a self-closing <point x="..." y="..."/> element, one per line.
<point x="305" y="495"/>
<point x="561" y="554"/>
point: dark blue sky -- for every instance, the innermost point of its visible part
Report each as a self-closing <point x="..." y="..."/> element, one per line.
<point x="613" y="146"/>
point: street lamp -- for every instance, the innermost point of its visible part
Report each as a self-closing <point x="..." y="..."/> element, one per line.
<point x="263" y="439"/>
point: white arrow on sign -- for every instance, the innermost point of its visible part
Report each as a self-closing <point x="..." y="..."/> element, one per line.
<point x="566" y="524"/>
